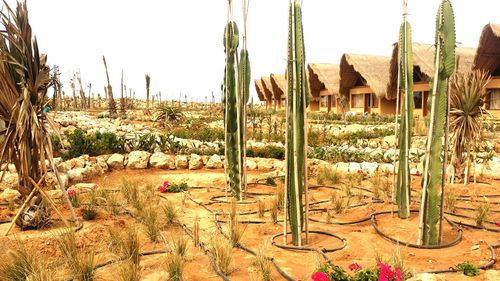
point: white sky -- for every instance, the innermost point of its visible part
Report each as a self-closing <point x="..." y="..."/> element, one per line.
<point x="179" y="43"/>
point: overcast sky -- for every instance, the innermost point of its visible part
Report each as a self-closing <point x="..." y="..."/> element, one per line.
<point x="179" y="43"/>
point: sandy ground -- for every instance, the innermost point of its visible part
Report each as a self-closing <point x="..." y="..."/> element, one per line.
<point x="363" y="243"/>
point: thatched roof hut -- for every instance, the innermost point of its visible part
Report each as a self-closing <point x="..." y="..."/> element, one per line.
<point x="371" y="71"/>
<point x="488" y="52"/>
<point x="324" y="76"/>
<point x="268" y="88"/>
<point x="260" y="89"/>
<point x="279" y="86"/>
<point x="423" y="62"/>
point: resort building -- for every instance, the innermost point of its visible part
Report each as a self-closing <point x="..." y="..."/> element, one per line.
<point x="324" y="85"/>
<point x="279" y="88"/>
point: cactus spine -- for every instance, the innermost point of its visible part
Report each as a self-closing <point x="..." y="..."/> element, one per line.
<point x="296" y="176"/>
<point x="405" y="60"/>
<point x="432" y="178"/>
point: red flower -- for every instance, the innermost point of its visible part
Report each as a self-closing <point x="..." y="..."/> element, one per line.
<point x="417" y="173"/>
<point x="497" y="224"/>
<point x="164" y="187"/>
<point x="355" y="267"/>
<point x="71" y="193"/>
<point x="320" y="276"/>
<point x="360" y="172"/>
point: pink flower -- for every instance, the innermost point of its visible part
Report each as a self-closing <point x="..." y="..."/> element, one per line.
<point x="386" y="273"/>
<point x="355" y="267"/>
<point x="71" y="193"/>
<point x="497" y="224"/>
<point x="320" y="276"/>
<point x="163" y="188"/>
<point x="166" y="184"/>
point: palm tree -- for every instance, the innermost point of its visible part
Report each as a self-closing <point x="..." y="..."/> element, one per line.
<point x="24" y="83"/>
<point x="467" y="116"/>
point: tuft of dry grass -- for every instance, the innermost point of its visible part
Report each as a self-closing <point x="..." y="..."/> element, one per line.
<point x="80" y="263"/>
<point x="450" y="200"/>
<point x="261" y="208"/>
<point x="20" y="264"/>
<point x="150" y="221"/>
<point x="171" y="213"/>
<point x="129" y="271"/>
<point x="236" y="230"/>
<point x="327" y="175"/>
<point x="263" y="264"/>
<point x="221" y="254"/>
<point x="482" y="213"/>
<point x="274" y="211"/>
<point x="175" y="267"/>
<point x="125" y="245"/>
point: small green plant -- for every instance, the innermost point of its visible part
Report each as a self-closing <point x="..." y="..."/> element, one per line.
<point x="180" y="246"/>
<point x="468" y="269"/>
<point x="171" y="213"/>
<point x="90" y="209"/>
<point x="150" y="221"/>
<point x="147" y="142"/>
<point x="270" y="181"/>
<point x="340" y="206"/>
<point x="113" y="203"/>
<point x="482" y="213"/>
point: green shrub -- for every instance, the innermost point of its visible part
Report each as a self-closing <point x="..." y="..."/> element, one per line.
<point x="268" y="151"/>
<point x="468" y="269"/>
<point x="147" y="142"/>
<point x="93" y="144"/>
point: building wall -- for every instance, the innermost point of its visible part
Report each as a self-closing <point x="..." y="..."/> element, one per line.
<point x="493" y="84"/>
<point x="387" y="107"/>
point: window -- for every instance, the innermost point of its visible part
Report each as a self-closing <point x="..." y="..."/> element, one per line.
<point x="357" y="101"/>
<point x="375" y="101"/>
<point x="324" y="101"/>
<point x="417" y="99"/>
<point x="495" y="99"/>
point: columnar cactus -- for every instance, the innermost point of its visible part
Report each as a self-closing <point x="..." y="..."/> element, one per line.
<point x="298" y="93"/>
<point x="432" y="177"/>
<point x="405" y="61"/>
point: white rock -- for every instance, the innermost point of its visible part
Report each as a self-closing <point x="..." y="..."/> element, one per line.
<point x="63" y="167"/>
<point x="388" y="141"/>
<point x="115" y="161"/>
<point x="280" y="165"/>
<point x="342" y="167"/>
<point x="75" y="175"/>
<point x="181" y="162"/>
<point x="79" y="187"/>
<point x="55" y="194"/>
<point x="12" y="168"/>
<point x="215" y="162"/>
<point x="369" y="167"/>
<point x="266" y="164"/>
<point x="195" y="162"/>
<point x="354" y="167"/>
<point x="9" y="195"/>
<point x="252" y="165"/>
<point x="160" y="160"/>
<point x="386" y="168"/>
<point x="138" y="159"/>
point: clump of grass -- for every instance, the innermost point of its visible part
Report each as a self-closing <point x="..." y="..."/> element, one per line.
<point x="263" y="264"/>
<point x="450" y="200"/>
<point x="196" y="232"/>
<point x="327" y="175"/>
<point x="80" y="263"/>
<point x="339" y="206"/>
<point x="129" y="191"/>
<point x="113" y="204"/>
<point x="328" y="216"/>
<point x="375" y="182"/>
<point x="468" y="269"/>
<point x="221" y="254"/>
<point x="129" y="271"/>
<point x="386" y="185"/>
<point x="236" y="230"/>
<point x="482" y="213"/>
<point x="171" y="213"/>
<point x="150" y="221"/>
<point x="90" y="209"/>
<point x="125" y="245"/>
<point x="274" y="210"/>
<point x="20" y="265"/>
<point x="175" y="267"/>
<point x="347" y="188"/>
<point x="280" y="196"/>
<point x="180" y="246"/>
<point x="261" y="205"/>
<point x="399" y="261"/>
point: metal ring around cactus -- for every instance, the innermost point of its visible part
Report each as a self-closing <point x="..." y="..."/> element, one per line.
<point x="399" y="242"/>
<point x="308" y="249"/>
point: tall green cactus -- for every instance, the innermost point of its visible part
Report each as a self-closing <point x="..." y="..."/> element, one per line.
<point x="232" y="116"/>
<point x="405" y="61"/>
<point x="296" y="176"/>
<point x="432" y="178"/>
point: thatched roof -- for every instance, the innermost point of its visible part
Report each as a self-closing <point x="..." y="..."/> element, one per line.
<point x="423" y="62"/>
<point x="268" y="88"/>
<point x="260" y="89"/>
<point x="373" y="70"/>
<point x="488" y="51"/>
<point x="323" y="76"/>
<point x="279" y="85"/>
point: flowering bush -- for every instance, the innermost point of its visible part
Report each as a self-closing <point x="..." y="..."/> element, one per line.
<point x="164" y="187"/>
<point x="387" y="274"/>
<point x="355" y="267"/>
<point x="320" y="276"/>
<point x="73" y="198"/>
<point x="71" y="193"/>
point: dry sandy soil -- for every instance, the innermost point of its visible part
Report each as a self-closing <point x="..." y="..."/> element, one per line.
<point x="363" y="243"/>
